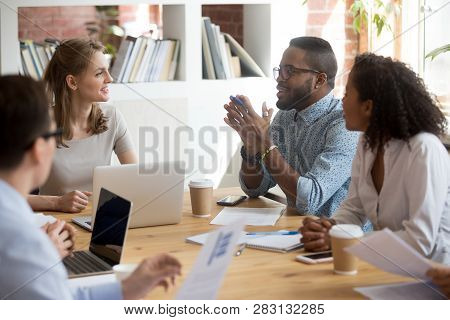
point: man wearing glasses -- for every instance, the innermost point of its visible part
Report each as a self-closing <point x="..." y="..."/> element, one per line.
<point x="31" y="267"/>
<point x="306" y="150"/>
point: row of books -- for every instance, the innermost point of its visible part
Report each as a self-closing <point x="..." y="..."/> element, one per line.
<point x="223" y="57"/>
<point x="144" y="59"/>
<point x="35" y="57"/>
<point x="139" y="59"/>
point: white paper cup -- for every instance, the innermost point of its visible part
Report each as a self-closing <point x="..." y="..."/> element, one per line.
<point x="344" y="235"/>
<point x="123" y="270"/>
<point x="201" y="191"/>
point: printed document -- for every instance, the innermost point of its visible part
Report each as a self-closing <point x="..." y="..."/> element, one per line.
<point x="385" y="250"/>
<point x="206" y="276"/>
<point x="402" y="291"/>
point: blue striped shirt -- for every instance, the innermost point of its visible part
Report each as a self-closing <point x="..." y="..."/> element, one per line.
<point x="319" y="147"/>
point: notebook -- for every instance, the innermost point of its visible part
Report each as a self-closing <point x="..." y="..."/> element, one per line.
<point x="277" y="243"/>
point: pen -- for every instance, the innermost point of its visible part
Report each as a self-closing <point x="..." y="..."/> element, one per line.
<point x="274" y="233"/>
<point x="239" y="251"/>
<point x="238" y="102"/>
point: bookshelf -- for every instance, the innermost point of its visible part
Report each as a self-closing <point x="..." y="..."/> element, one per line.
<point x="181" y="20"/>
<point x="189" y="100"/>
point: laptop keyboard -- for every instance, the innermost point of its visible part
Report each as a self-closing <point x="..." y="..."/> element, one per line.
<point x="82" y="262"/>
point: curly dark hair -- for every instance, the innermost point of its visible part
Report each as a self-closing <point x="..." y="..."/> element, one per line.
<point x="402" y="107"/>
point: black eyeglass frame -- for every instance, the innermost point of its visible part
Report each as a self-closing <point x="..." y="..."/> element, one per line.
<point x="55" y="133"/>
<point x="277" y="71"/>
<point x="58" y="132"/>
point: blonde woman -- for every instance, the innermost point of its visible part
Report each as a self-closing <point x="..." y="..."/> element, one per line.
<point x="78" y="78"/>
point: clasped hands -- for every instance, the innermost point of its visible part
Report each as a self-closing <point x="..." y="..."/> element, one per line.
<point x="251" y="127"/>
<point x="315" y="234"/>
<point x="62" y="235"/>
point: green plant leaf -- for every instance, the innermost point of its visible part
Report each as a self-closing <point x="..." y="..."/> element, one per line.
<point x="116" y="30"/>
<point x="357" y="6"/>
<point x="357" y="24"/>
<point x="359" y="12"/>
<point x="109" y="48"/>
<point x="433" y="54"/>
<point x="382" y="11"/>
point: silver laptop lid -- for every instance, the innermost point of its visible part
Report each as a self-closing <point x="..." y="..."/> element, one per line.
<point x="156" y="190"/>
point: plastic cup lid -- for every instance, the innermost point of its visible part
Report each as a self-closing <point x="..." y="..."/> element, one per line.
<point x="129" y="267"/>
<point x="201" y="183"/>
<point x="346" y="231"/>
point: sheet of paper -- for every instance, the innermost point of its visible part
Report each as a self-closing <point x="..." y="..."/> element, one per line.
<point x="201" y="238"/>
<point x="244" y="237"/>
<point x="402" y="291"/>
<point x="251" y="216"/>
<point x="387" y="251"/>
<point x="206" y="276"/>
<point x="92" y="280"/>
<point x="41" y="219"/>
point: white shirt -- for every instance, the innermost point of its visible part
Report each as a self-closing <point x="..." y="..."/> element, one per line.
<point x="414" y="200"/>
<point x="29" y="263"/>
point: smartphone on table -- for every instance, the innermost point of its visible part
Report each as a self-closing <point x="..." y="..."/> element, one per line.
<point x="231" y="200"/>
<point x="315" y="257"/>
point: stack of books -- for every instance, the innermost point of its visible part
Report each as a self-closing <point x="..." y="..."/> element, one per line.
<point x="223" y="57"/>
<point x="35" y="57"/>
<point x="144" y="59"/>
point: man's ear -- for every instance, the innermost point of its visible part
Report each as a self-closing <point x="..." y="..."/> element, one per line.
<point x="37" y="151"/>
<point x="71" y="82"/>
<point x="321" y="80"/>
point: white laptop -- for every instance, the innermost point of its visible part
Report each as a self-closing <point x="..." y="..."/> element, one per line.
<point x="156" y="191"/>
<point x="107" y="241"/>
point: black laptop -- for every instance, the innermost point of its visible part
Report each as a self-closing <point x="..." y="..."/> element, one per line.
<point x="108" y="238"/>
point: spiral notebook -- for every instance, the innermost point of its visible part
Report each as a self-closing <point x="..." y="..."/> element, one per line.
<point x="277" y="243"/>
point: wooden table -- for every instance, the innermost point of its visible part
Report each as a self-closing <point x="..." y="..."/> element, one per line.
<point x="256" y="274"/>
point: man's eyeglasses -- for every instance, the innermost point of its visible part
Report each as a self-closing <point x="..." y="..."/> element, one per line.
<point x="55" y="133"/>
<point x="288" y="70"/>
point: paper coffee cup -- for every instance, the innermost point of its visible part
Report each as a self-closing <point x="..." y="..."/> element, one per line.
<point x="201" y="191"/>
<point x="123" y="270"/>
<point x="343" y="235"/>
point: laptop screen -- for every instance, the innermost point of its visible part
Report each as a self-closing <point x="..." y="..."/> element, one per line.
<point x="110" y="227"/>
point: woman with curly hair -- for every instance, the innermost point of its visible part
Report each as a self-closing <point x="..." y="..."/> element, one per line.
<point x="401" y="173"/>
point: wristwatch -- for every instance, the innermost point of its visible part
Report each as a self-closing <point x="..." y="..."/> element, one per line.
<point x="251" y="160"/>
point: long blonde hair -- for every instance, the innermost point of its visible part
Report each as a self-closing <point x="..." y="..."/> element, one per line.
<point x="72" y="57"/>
